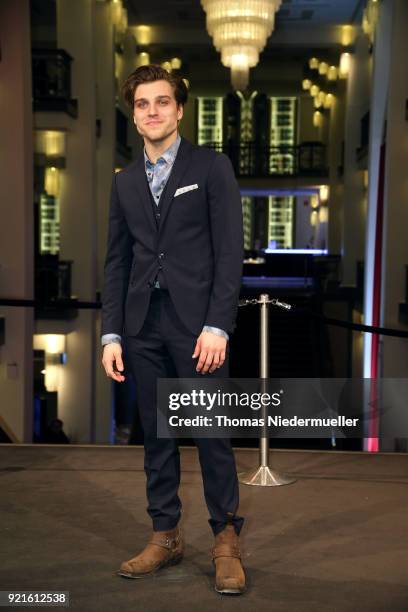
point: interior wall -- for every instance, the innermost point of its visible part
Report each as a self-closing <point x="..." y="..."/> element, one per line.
<point x="379" y="101"/>
<point x="395" y="253"/>
<point x="17" y="231"/>
<point x="78" y="202"/>
<point x="354" y="207"/>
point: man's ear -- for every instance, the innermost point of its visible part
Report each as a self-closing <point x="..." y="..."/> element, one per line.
<point x="180" y="112"/>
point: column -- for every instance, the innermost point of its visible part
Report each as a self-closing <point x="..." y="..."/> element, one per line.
<point x="17" y="225"/>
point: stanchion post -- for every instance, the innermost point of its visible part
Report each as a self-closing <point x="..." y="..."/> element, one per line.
<point x="263" y="475"/>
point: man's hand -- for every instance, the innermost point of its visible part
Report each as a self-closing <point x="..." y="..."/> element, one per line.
<point x="210" y="349"/>
<point x="112" y="355"/>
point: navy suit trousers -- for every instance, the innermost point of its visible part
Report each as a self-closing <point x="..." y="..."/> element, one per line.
<point x="163" y="349"/>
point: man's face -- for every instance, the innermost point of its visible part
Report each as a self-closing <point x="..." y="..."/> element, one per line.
<point x="155" y="111"/>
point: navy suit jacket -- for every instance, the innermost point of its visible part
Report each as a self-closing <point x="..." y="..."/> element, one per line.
<point x="198" y="244"/>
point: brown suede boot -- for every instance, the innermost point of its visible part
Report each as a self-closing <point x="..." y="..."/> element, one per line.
<point x="164" y="548"/>
<point x="229" y="573"/>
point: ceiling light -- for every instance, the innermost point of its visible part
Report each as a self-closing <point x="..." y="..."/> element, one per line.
<point x="50" y="343"/>
<point x="345" y="63"/>
<point x="347" y="35"/>
<point x="314" y="201"/>
<point x="314" y="90"/>
<point x="51" y="181"/>
<point x="239" y="29"/>
<point x="332" y="73"/>
<point x="370" y="19"/>
<point x="175" y="63"/>
<point x="317" y="119"/>
<point x="323" y="214"/>
<point x="143" y="34"/>
<point x="323" y="68"/>
<point x="143" y="59"/>
<point x="119" y="17"/>
<point x="324" y="193"/>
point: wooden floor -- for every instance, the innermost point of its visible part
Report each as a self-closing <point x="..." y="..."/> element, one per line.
<point x="335" y="541"/>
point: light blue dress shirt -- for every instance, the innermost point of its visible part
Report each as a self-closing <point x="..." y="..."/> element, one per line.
<point x="157" y="175"/>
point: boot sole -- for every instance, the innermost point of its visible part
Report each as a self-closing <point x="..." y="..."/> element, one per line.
<point x="173" y="561"/>
<point x="230" y="591"/>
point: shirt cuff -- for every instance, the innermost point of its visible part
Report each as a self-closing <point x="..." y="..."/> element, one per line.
<point x="108" y="338"/>
<point x="216" y="330"/>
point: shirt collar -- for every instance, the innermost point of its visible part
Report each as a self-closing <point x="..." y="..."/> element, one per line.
<point x="169" y="155"/>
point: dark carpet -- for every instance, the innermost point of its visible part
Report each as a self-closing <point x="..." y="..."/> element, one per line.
<point x="335" y="541"/>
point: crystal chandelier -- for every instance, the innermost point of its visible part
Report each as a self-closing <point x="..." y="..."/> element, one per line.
<point x="239" y="29"/>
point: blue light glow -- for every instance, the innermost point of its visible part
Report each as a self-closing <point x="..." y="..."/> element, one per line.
<point x="280" y="192"/>
<point x="296" y="251"/>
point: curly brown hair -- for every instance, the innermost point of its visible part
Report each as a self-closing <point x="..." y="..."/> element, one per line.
<point x="148" y="74"/>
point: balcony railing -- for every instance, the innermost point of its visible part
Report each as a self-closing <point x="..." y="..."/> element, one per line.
<point x="53" y="285"/>
<point x="252" y="160"/>
<point x="52" y="82"/>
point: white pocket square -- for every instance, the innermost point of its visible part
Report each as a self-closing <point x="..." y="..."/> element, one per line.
<point x="181" y="190"/>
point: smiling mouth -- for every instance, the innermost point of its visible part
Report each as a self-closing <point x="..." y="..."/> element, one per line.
<point x="153" y="123"/>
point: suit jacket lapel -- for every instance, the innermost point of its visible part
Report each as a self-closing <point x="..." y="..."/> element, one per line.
<point x="144" y="192"/>
<point x="179" y="167"/>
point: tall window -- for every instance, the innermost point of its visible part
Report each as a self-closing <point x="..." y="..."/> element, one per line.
<point x="280" y="226"/>
<point x="49" y="224"/>
<point x="282" y="135"/>
<point x="247" y="213"/>
<point x="210" y="120"/>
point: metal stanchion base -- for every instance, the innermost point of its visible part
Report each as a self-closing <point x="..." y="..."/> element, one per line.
<point x="263" y="476"/>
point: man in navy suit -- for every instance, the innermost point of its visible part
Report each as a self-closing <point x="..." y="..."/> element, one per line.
<point x="172" y="279"/>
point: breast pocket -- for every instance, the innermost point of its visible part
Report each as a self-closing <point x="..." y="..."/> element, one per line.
<point x="191" y="192"/>
<point x="190" y="208"/>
